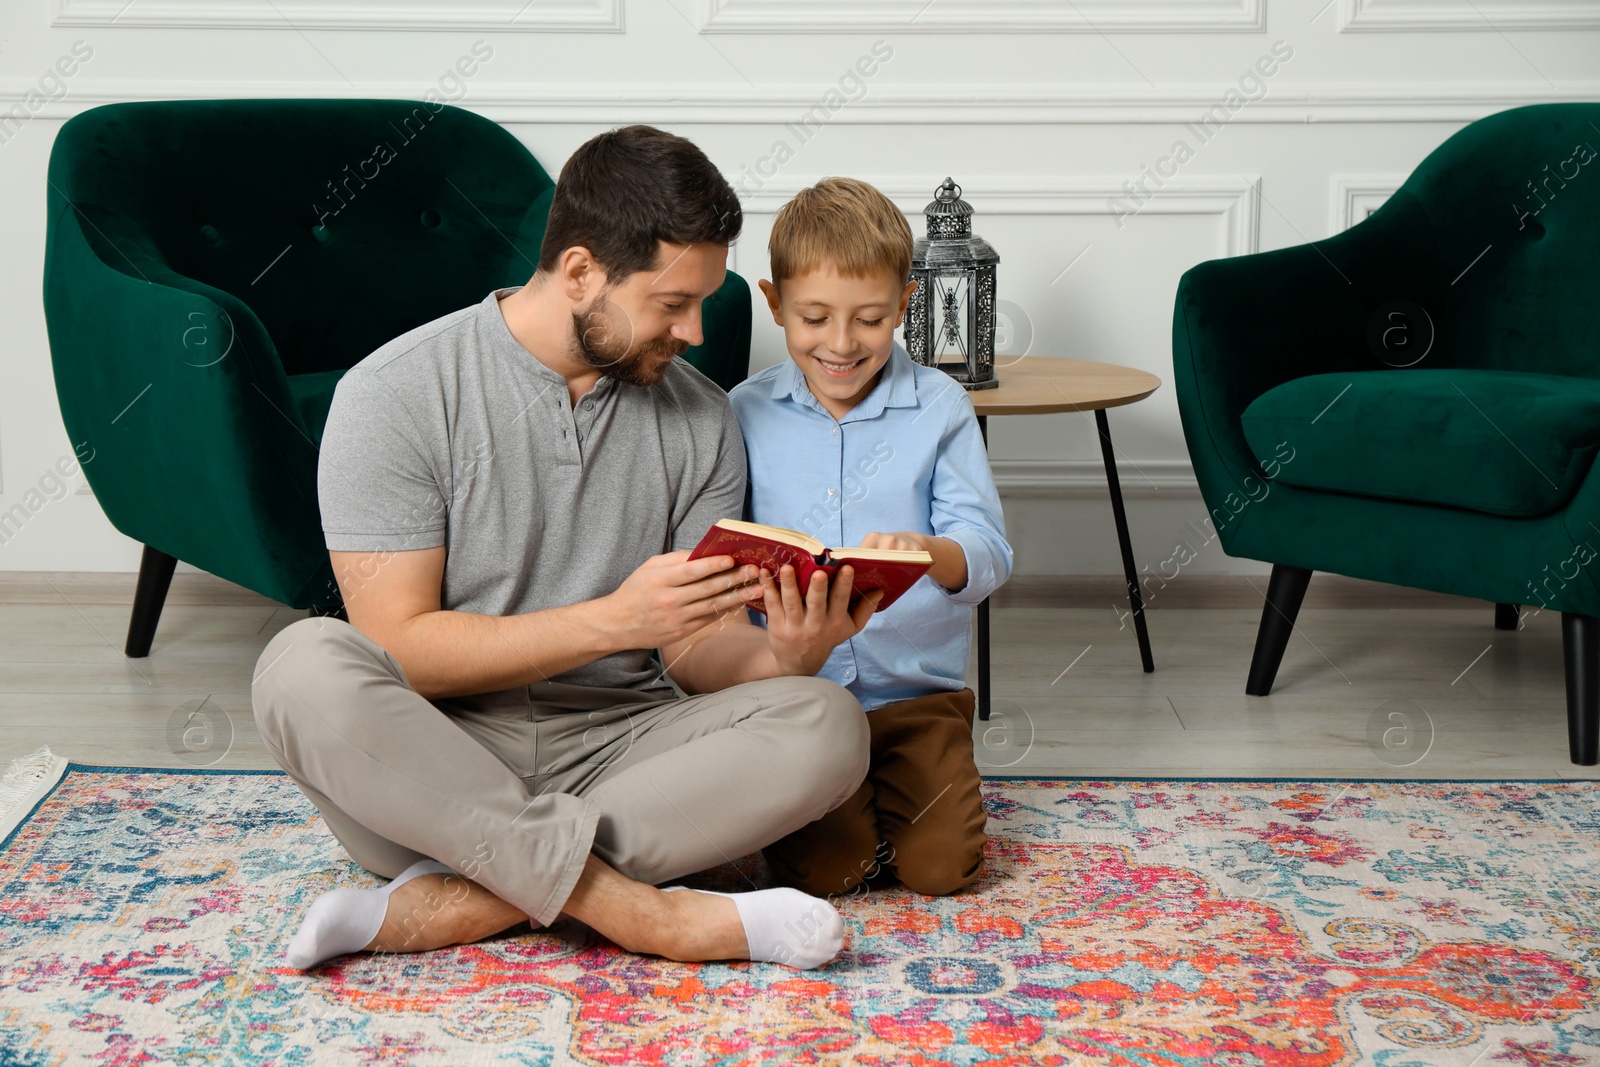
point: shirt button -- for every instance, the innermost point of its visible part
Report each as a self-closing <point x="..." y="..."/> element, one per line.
<point x="834" y="431"/>
<point x="832" y="490"/>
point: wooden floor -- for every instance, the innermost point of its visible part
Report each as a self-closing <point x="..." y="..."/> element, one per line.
<point x="1377" y="682"/>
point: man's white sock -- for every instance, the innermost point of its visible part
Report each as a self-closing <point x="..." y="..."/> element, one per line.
<point x="346" y="920"/>
<point x="786" y="926"/>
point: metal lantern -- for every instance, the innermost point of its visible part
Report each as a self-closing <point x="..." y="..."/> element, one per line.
<point x="950" y="320"/>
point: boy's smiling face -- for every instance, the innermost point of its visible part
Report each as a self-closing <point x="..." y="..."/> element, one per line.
<point x="839" y="330"/>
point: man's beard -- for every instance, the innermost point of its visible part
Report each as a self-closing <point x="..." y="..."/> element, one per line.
<point x="595" y="340"/>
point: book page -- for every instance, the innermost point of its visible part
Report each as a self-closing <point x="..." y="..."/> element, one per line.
<point x="886" y="555"/>
<point x="773" y="533"/>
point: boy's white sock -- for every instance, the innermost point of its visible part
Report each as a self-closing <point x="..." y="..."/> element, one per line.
<point x="786" y="926"/>
<point x="346" y="920"/>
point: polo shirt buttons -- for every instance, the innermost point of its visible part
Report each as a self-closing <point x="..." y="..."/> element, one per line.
<point x="832" y="490"/>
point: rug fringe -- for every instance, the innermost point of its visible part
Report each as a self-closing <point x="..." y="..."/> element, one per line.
<point x="28" y="779"/>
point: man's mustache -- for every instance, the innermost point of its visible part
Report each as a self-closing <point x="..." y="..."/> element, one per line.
<point x="666" y="348"/>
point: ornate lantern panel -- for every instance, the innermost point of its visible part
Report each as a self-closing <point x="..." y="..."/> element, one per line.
<point x="950" y="320"/>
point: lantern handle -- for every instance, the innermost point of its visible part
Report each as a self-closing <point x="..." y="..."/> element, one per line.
<point x="948" y="193"/>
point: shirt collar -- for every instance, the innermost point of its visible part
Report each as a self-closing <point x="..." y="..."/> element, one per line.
<point x="497" y="328"/>
<point x="896" y="388"/>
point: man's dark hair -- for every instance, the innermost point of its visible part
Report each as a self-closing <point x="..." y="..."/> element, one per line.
<point x="625" y="190"/>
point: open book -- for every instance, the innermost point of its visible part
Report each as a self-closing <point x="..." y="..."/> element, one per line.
<point x="751" y="543"/>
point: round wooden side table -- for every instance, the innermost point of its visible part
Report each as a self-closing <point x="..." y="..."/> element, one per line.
<point x="1041" y="385"/>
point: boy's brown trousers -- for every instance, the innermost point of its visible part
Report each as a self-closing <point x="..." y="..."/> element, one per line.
<point x="919" y="813"/>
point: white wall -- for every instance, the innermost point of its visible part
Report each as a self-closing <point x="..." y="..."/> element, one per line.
<point x="1041" y="109"/>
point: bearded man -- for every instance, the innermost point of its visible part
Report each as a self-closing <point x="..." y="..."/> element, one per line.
<point x="508" y="496"/>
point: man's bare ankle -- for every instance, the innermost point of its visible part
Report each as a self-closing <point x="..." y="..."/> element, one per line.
<point x="702" y="926"/>
<point x="412" y="922"/>
<point x="649" y="926"/>
<point x="438" y="911"/>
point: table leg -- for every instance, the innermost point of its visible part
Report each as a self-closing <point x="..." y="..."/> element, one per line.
<point x="1135" y="601"/>
<point x="983" y="618"/>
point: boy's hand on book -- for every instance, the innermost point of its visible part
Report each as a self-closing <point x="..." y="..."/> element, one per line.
<point x="949" y="558"/>
<point x="671" y="596"/>
<point x="903" y="541"/>
<point x="804" y="630"/>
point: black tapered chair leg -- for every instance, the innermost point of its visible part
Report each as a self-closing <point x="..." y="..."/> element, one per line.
<point x="155" y="577"/>
<point x="1580" y="646"/>
<point x="1506" y="616"/>
<point x="1285" y="590"/>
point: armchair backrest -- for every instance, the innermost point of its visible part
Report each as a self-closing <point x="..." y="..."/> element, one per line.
<point x="1496" y="233"/>
<point x="340" y="223"/>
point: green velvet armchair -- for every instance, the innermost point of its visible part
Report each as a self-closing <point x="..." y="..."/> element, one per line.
<point x="213" y="267"/>
<point x="1417" y="400"/>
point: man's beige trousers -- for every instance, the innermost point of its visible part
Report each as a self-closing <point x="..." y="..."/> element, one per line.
<point x="514" y="789"/>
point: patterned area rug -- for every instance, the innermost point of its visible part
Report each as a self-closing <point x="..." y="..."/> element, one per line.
<point x="1155" y="923"/>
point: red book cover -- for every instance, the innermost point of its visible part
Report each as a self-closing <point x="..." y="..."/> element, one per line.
<point x="752" y="543"/>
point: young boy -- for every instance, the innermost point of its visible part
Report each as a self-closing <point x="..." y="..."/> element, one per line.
<point x="854" y="444"/>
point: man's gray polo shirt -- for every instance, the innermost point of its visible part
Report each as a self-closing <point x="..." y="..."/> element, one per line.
<point x="454" y="434"/>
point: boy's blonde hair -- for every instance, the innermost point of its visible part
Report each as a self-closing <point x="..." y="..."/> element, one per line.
<point x="844" y="223"/>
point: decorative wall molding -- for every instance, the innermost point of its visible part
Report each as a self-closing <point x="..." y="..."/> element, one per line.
<point x="544" y="16"/>
<point x="1236" y="200"/>
<point x="680" y="104"/>
<point x="1355" y="196"/>
<point x="1086" y="478"/>
<point x="982" y="16"/>
<point x="1398" y="16"/>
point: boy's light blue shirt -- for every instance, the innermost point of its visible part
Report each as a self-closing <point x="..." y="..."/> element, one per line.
<point x="908" y="457"/>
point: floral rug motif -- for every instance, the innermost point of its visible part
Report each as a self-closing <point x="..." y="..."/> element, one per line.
<point x="143" y="916"/>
